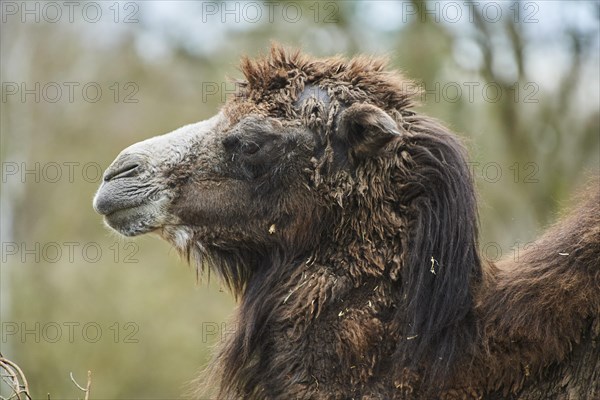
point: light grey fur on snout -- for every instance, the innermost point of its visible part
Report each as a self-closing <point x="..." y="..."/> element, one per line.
<point x="136" y="201"/>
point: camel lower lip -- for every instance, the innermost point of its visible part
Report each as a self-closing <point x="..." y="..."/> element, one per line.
<point x="133" y="221"/>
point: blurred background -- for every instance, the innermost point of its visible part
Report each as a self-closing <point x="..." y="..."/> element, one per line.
<point x="519" y="81"/>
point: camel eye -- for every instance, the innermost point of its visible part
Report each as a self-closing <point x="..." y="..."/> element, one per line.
<point x="231" y="142"/>
<point x="250" y="148"/>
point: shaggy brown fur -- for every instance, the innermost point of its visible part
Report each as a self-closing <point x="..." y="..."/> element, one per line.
<point x="346" y="225"/>
<point x="384" y="296"/>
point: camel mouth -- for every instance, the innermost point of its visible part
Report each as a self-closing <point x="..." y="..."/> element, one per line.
<point x="109" y="201"/>
<point x="130" y="212"/>
<point x="136" y="220"/>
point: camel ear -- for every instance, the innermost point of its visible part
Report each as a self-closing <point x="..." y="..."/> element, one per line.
<point x="366" y="128"/>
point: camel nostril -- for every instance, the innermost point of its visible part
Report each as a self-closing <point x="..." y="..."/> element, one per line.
<point x="123" y="171"/>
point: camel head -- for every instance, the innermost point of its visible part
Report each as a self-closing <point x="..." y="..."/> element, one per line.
<point x="224" y="183"/>
<point x="245" y="183"/>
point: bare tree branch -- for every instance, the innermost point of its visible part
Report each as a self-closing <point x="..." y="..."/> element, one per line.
<point x="13" y="376"/>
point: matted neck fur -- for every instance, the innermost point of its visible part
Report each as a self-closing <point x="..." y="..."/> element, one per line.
<point x="346" y="225"/>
